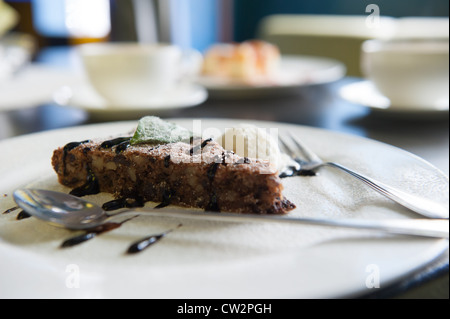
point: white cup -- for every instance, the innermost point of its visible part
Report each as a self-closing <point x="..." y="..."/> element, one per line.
<point x="410" y="73"/>
<point x="131" y="73"/>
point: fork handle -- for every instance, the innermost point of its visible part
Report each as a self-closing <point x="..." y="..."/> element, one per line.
<point x="420" y="205"/>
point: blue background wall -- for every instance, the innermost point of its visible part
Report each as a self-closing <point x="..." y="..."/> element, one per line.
<point x="248" y="13"/>
<point x="195" y="22"/>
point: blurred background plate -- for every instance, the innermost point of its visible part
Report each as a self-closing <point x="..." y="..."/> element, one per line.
<point x="295" y="72"/>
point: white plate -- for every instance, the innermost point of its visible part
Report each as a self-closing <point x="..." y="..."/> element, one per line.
<point x="365" y="93"/>
<point x="84" y="97"/>
<point x="295" y="72"/>
<point x="217" y="259"/>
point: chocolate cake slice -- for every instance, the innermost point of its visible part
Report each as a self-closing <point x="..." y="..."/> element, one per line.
<point x="197" y="173"/>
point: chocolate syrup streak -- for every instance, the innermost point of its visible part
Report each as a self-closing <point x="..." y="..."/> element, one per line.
<point x="211" y="173"/>
<point x="10" y="210"/>
<point x="121" y="144"/>
<point x="167" y="161"/>
<point x="21" y="215"/>
<point x="146" y="242"/>
<point x="91" y="186"/>
<point x="114" y="142"/>
<point x="213" y="206"/>
<point x="167" y="199"/>
<point x="198" y="147"/>
<point x="92" y="233"/>
<point x="293" y="172"/>
<point x="122" y="147"/>
<point x="67" y="148"/>
<point x="124" y="202"/>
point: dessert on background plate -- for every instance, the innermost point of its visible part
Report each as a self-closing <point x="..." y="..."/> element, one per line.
<point x="248" y="61"/>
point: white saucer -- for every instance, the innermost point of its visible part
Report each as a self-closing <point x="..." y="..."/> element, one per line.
<point x="32" y="86"/>
<point x="84" y="97"/>
<point x="365" y="93"/>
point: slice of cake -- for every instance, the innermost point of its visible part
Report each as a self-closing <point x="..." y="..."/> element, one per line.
<point x="191" y="173"/>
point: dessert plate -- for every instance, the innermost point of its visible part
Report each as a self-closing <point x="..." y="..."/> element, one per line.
<point x="83" y="96"/>
<point x="364" y="93"/>
<point x="295" y="72"/>
<point x="204" y="259"/>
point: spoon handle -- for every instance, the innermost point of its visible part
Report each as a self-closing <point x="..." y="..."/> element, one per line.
<point x="436" y="228"/>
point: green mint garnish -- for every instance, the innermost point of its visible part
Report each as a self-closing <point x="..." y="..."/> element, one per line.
<point x="153" y="130"/>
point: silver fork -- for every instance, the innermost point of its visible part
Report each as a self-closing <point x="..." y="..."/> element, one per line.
<point x="312" y="162"/>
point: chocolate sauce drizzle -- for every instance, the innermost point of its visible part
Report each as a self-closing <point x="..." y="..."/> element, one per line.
<point x="146" y="242"/>
<point x="211" y="173"/>
<point x="92" y="233"/>
<point x="10" y="210"/>
<point x="124" y="202"/>
<point x="167" y="161"/>
<point x="297" y="172"/>
<point x="67" y="148"/>
<point x="122" y="147"/>
<point x="121" y="144"/>
<point x="21" y="215"/>
<point x="91" y="186"/>
<point x="198" y="147"/>
<point x="213" y="206"/>
<point x="167" y="198"/>
<point x="73" y="241"/>
<point x="114" y="142"/>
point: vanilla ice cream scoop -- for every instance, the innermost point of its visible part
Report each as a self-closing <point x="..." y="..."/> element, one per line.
<point x="247" y="140"/>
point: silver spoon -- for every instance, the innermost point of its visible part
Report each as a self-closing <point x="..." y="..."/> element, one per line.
<point x="75" y="213"/>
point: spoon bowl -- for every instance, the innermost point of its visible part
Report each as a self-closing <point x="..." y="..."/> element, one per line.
<point x="60" y="209"/>
<point x="75" y="213"/>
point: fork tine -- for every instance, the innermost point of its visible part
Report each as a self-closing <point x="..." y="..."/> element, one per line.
<point x="294" y="165"/>
<point x="307" y="152"/>
<point x="286" y="149"/>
